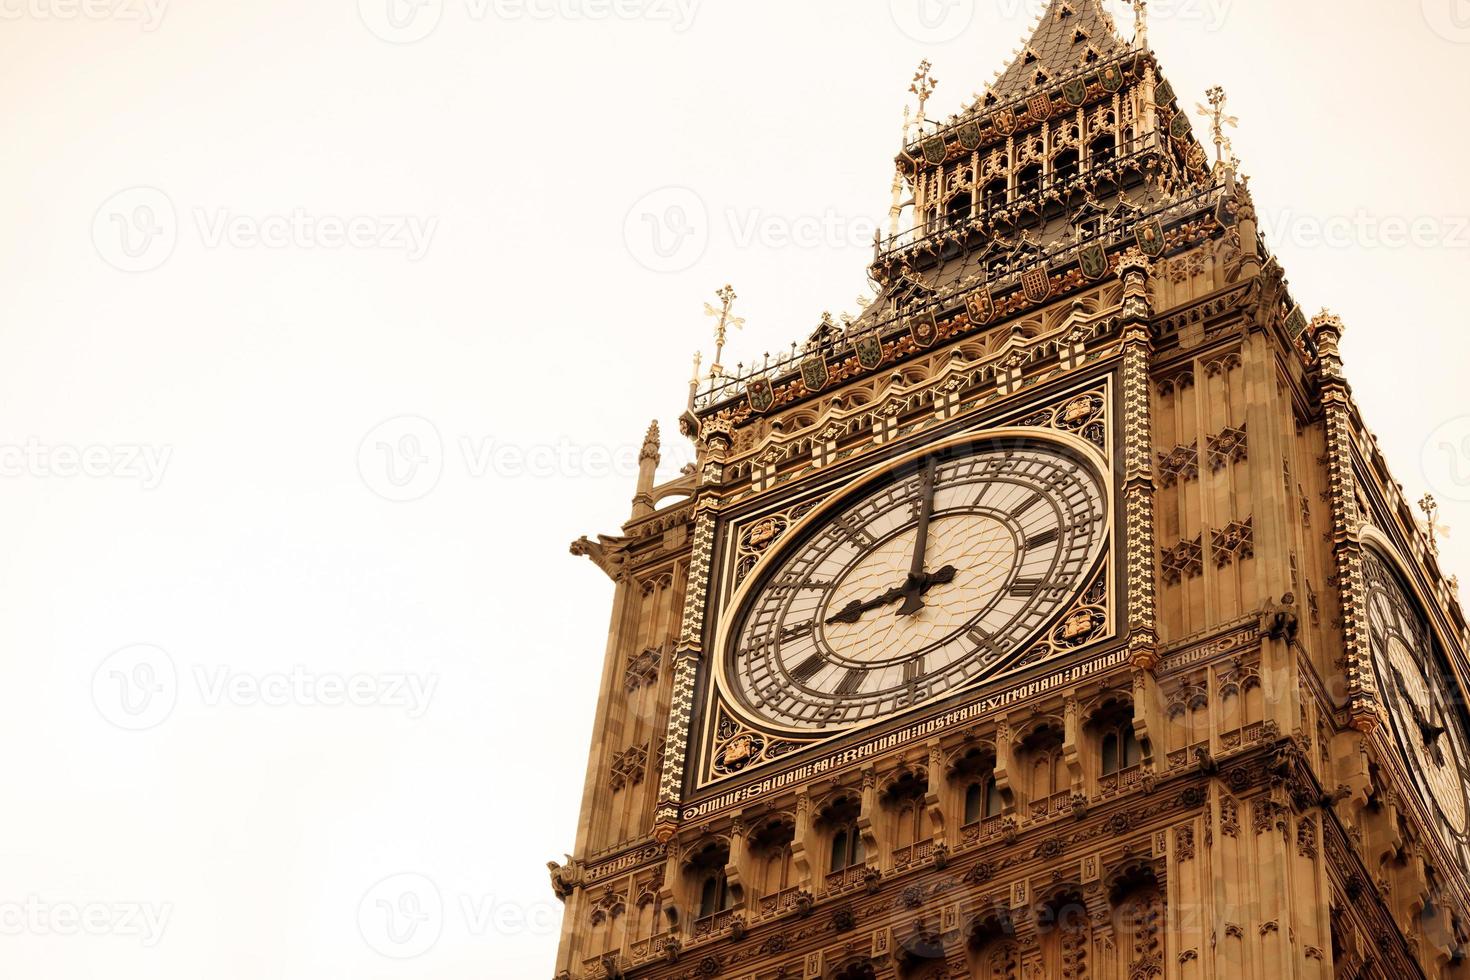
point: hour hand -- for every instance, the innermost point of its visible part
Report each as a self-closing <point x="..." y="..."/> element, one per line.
<point x="854" y="610"/>
<point x="914" y="589"/>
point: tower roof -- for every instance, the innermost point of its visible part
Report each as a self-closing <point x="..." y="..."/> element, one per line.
<point x="1070" y="35"/>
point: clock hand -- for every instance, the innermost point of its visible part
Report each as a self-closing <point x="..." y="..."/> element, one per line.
<point x="916" y="585"/>
<point x="853" y="611"/>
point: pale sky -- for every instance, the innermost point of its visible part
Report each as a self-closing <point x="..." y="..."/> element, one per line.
<point x="254" y="253"/>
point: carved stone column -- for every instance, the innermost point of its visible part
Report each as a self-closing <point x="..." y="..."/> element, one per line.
<point x="934" y="799"/>
<point x="867" y="821"/>
<point x="804" y="841"/>
<point x="1364" y="704"/>
<point x="716" y="441"/>
<point x="648" y="460"/>
<point x="1138" y="474"/>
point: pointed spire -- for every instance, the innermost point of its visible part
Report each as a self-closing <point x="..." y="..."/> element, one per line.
<point x="650" y="442"/>
<point x="1058" y="44"/>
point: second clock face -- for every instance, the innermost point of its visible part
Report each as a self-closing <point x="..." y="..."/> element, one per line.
<point x="1421" y="699"/>
<point x="918" y="586"/>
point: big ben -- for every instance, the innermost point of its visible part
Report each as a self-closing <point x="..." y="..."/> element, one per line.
<point x="1056" y="616"/>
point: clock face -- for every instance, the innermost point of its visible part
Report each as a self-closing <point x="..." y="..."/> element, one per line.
<point x="924" y="582"/>
<point x="1421" y="700"/>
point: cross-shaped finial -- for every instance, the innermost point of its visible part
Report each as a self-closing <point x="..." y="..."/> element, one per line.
<point x="1430" y="506"/>
<point x="1216" y="114"/>
<point x="727" y="299"/>
<point x="923" y="86"/>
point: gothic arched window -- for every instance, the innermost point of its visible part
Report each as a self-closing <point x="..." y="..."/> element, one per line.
<point x="1120" y="748"/>
<point x="982" y="800"/>
<point x="714" y="893"/>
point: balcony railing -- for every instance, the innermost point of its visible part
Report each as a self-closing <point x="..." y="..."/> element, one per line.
<point x="1121" y="781"/>
<point x="726" y="388"/>
<point x="780" y="903"/>
<point x="1052" y="806"/>
<point x="839" y="881"/>
<point x="714" y="924"/>
<point x="905" y="857"/>
<point x="649" y="949"/>
<point x="981" y="830"/>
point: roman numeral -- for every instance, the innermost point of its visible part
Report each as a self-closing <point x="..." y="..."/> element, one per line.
<point x="1044" y="538"/>
<point x="1026" y="505"/>
<point x="913" y="670"/>
<point x="798" y="631"/>
<point x="807" y="669"/>
<point x="1027" y="587"/>
<point x="851" y="683"/>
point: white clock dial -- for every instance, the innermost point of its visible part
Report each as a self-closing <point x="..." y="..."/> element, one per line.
<point x="1421" y="700"/>
<point x="918" y="586"/>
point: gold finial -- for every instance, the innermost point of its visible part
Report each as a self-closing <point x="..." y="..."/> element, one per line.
<point x="923" y="86"/>
<point x="727" y="299"/>
<point x="1140" y="22"/>
<point x="1218" y="119"/>
<point x="1432" y="527"/>
<point x="698" y="360"/>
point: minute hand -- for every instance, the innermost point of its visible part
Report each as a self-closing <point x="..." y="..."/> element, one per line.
<point x="913" y="589"/>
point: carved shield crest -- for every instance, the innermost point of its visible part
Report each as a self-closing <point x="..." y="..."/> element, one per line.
<point x="1163" y="93"/>
<point x="1039" y="106"/>
<point x="1004" y="121"/>
<point x="1179" y="125"/>
<point x="969" y="135"/>
<point x="1075" y="91"/>
<point x="1195" y="158"/>
<point x="1036" y="284"/>
<point x="1094" y="262"/>
<point x="758" y="392"/>
<point x="924" y="327"/>
<point x="1296" y="322"/>
<point x="934" y="150"/>
<point x="1225" y="211"/>
<point x="814" y="373"/>
<point x="869" y="350"/>
<point x="1111" y="77"/>
<point x="1150" y="236"/>
<point x="980" y="305"/>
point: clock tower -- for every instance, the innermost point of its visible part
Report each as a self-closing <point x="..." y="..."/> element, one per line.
<point x="1057" y="616"/>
